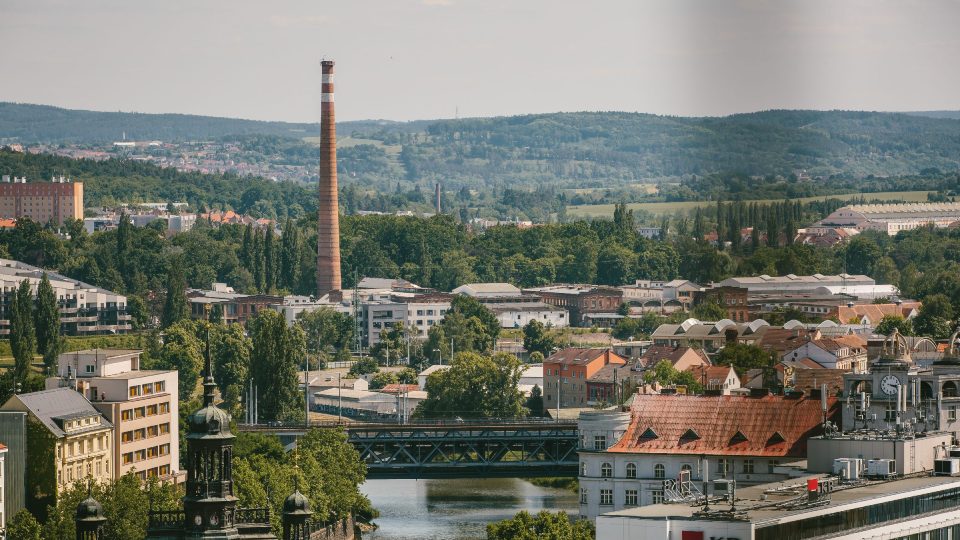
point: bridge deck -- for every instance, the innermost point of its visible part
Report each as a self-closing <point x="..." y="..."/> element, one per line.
<point x="457" y="450"/>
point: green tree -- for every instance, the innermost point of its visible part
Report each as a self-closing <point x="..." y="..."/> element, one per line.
<point x="382" y="379"/>
<point x="278" y="353"/>
<point x="269" y="261"/>
<point x="534" y="403"/>
<point x="861" y="255"/>
<point x="934" y="317"/>
<point x="24" y="526"/>
<point x="543" y="526"/>
<point x="216" y="314"/>
<point x="364" y="366"/>
<point x="710" y="310"/>
<point x="665" y="374"/>
<point x="48" y="324"/>
<point x="538" y="338"/>
<point x="290" y="256"/>
<point x="889" y="323"/>
<point x="742" y="357"/>
<point x="176" y="307"/>
<point x="139" y="312"/>
<point x="230" y="351"/>
<point x="182" y="351"/>
<point x="22" y="334"/>
<point x="389" y="350"/>
<point x="475" y="386"/>
<point x="325" y="328"/>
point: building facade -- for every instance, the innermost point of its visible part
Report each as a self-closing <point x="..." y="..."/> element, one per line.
<point x="692" y="438"/>
<point x="57" y="201"/>
<point x="581" y="300"/>
<point x="84" y="309"/>
<point x="65" y="435"/>
<point x="142" y="405"/>
<point x="892" y="218"/>
<point x="565" y="375"/>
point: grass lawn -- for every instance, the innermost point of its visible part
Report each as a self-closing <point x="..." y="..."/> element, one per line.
<point x="669" y="208"/>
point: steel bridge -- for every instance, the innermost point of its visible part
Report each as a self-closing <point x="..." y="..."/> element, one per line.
<point x="458" y="450"/>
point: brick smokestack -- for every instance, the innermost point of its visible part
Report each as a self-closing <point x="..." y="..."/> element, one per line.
<point x="328" y="218"/>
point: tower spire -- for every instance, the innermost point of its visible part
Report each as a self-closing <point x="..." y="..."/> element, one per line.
<point x="209" y="385"/>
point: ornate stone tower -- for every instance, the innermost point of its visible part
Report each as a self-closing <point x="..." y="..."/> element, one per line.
<point x="209" y="505"/>
<point x="89" y="519"/>
<point x="328" y="211"/>
<point x="296" y="516"/>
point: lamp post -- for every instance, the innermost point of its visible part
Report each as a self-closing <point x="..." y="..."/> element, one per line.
<point x="439" y="355"/>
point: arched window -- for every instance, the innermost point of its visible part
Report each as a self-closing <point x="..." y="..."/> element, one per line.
<point x="631" y="470"/>
<point x="686" y="467"/>
<point x="949" y="389"/>
<point x="583" y="469"/>
<point x="659" y="471"/>
<point x="606" y="471"/>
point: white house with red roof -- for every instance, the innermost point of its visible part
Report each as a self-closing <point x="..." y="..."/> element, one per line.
<point x="625" y="460"/>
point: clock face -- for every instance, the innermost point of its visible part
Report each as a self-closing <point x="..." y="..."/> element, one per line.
<point x="890" y="384"/>
<point x="214" y="520"/>
<point x="198" y="519"/>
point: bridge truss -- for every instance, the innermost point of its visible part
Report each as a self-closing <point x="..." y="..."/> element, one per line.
<point x="468" y="450"/>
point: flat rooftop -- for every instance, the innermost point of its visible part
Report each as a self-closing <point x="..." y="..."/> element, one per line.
<point x="133" y="374"/>
<point x="786" y="500"/>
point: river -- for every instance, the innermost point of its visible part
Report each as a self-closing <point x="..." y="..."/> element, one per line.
<point x="456" y="509"/>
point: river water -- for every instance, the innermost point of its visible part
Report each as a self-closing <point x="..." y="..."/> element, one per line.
<point x="457" y="509"/>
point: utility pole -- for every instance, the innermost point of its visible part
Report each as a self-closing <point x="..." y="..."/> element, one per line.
<point x="339" y="400"/>
<point x="558" y="398"/>
<point x="306" y="391"/>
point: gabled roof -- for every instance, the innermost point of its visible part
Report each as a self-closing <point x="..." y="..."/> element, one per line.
<point x="52" y="406"/>
<point x="656" y="353"/>
<point x="718" y="420"/>
<point x="876" y="312"/>
<point x="576" y="356"/>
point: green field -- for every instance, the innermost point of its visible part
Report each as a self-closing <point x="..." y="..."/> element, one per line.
<point x="670" y="208"/>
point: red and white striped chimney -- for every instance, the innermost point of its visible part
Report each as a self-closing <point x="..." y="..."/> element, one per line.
<point x="328" y="217"/>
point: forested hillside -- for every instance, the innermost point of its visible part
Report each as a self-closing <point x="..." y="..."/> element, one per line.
<point x="571" y="150"/>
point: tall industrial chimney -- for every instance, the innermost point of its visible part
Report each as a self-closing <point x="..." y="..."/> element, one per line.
<point x="328" y="218"/>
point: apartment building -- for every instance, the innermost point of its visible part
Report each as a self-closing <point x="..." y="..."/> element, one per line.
<point x="74" y="440"/>
<point x="417" y="312"/>
<point x="236" y="307"/>
<point x="565" y="375"/>
<point x="140" y="404"/>
<point x="58" y="200"/>
<point x="84" y="309"/>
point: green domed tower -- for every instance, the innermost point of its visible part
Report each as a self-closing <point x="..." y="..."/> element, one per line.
<point x="209" y="505"/>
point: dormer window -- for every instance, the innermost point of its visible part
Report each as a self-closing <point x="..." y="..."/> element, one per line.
<point x="688" y="436"/>
<point x="738" y="437"/>
<point x="776" y="438"/>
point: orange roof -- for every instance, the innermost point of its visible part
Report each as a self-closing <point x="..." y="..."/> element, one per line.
<point x="809" y="379"/>
<point x="7" y="223"/>
<point x="656" y="353"/>
<point x="576" y="356"/>
<point x="711" y="374"/>
<point x="782" y="340"/>
<point x="876" y="312"/>
<point x="770" y="426"/>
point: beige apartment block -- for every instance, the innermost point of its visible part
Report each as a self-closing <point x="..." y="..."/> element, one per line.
<point x="58" y="200"/>
<point x="80" y="441"/>
<point x="141" y="405"/>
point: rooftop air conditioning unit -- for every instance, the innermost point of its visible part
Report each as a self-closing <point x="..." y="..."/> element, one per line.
<point x="848" y="469"/>
<point x="881" y="468"/>
<point x="955" y="452"/>
<point x="946" y="467"/>
<point x="722" y="486"/>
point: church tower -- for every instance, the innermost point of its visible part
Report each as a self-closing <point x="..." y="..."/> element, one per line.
<point x="209" y="505"/>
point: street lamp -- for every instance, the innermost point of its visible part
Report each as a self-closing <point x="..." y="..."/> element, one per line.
<point x="439" y="355"/>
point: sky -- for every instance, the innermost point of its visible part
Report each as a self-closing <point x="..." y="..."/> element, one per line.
<point x="428" y="59"/>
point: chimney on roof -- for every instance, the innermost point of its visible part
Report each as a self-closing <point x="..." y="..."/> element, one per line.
<point x="328" y="212"/>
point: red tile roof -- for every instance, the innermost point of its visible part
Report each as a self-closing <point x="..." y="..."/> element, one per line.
<point x="575" y="356"/>
<point x="876" y="312"/>
<point x="657" y="353"/>
<point x="710" y="374"/>
<point x="773" y="426"/>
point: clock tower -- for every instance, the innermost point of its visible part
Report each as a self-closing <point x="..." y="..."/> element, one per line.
<point x="209" y="505"/>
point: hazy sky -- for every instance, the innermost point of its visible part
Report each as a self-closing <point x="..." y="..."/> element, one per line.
<point x="412" y="59"/>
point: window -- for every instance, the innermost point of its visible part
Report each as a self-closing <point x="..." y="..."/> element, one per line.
<point x="583" y="469"/>
<point x="631" y="470"/>
<point x="772" y="464"/>
<point x="126" y="415"/>
<point x="723" y="466"/>
<point x="659" y="471"/>
<point x="748" y="466"/>
<point x="583" y="495"/>
<point x="630" y="497"/>
<point x="606" y="497"/>
<point x="599" y="442"/>
<point x="657" y="496"/>
<point x="134" y="391"/>
<point x="152" y="410"/>
<point x="952" y="414"/>
<point x="159" y="386"/>
<point x="89" y="369"/>
<point x="606" y="471"/>
<point x="164" y="408"/>
<point x="891" y="413"/>
<point x="127" y="458"/>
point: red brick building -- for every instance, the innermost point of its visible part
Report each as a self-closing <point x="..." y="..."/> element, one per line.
<point x="571" y="368"/>
<point x="581" y="300"/>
